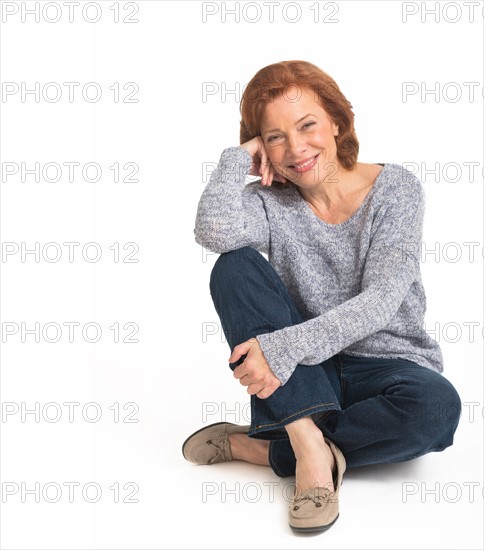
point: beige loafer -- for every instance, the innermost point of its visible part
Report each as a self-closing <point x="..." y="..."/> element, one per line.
<point x="317" y="508"/>
<point x="210" y="445"/>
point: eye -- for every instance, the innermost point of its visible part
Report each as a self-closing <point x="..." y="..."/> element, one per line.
<point x="271" y="138"/>
<point x="308" y="124"/>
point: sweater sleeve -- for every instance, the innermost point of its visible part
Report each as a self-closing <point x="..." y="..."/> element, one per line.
<point x="392" y="264"/>
<point x="231" y="214"/>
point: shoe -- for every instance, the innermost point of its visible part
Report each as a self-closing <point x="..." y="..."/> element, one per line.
<point x="317" y="508"/>
<point x="210" y="445"/>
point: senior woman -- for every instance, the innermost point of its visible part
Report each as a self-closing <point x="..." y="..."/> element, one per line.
<point x="326" y="335"/>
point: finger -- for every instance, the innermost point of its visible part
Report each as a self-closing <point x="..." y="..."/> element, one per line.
<point x="238" y="351"/>
<point x="267" y="172"/>
<point x="262" y="162"/>
<point x="254" y="388"/>
<point x="238" y="362"/>
<point x="247" y="377"/>
<point x="266" y="392"/>
<point x="245" y="380"/>
<point x="272" y="173"/>
<point x="279" y="177"/>
<point x="269" y="175"/>
<point x="240" y="371"/>
<point x="264" y="167"/>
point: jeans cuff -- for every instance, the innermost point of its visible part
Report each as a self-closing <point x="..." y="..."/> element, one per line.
<point x="276" y="431"/>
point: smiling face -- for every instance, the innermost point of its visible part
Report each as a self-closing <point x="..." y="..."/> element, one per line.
<point x="299" y="137"/>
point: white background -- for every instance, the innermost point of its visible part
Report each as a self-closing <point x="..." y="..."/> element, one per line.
<point x="174" y="374"/>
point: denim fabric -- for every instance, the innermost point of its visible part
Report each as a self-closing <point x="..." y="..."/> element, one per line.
<point x="375" y="410"/>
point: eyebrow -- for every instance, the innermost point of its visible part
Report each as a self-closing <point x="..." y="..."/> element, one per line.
<point x="297" y="122"/>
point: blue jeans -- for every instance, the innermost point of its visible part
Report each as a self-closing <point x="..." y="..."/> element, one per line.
<point x="375" y="410"/>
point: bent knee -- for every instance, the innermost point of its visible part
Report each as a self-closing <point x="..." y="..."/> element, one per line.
<point x="433" y="413"/>
<point x="444" y="405"/>
<point x="231" y="264"/>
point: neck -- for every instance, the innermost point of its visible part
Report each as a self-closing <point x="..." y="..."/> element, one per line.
<point x="332" y="190"/>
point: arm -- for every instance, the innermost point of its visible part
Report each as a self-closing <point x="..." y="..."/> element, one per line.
<point x="230" y="213"/>
<point x="391" y="266"/>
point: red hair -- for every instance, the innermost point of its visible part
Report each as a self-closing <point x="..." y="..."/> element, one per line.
<point x="273" y="81"/>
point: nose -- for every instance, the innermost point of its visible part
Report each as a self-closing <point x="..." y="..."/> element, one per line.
<point x="296" y="147"/>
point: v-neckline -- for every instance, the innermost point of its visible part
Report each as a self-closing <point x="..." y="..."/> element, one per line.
<point x="368" y="196"/>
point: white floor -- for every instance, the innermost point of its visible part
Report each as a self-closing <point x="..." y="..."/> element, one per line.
<point x="119" y="482"/>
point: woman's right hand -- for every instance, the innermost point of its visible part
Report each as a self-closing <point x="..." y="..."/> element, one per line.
<point x="261" y="164"/>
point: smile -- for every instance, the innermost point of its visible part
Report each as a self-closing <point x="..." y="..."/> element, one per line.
<point x="305" y="166"/>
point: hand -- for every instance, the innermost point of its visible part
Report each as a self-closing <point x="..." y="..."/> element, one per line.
<point x="261" y="164"/>
<point x="254" y="372"/>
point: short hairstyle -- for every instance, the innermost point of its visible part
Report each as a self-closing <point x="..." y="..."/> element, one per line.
<point x="273" y="81"/>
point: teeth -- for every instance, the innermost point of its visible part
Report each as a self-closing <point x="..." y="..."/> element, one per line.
<point x="305" y="163"/>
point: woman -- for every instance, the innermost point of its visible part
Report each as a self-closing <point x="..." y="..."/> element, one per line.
<point x="326" y="335"/>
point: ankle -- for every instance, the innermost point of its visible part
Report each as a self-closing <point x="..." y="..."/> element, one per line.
<point x="255" y="451"/>
<point x="308" y="442"/>
<point x="236" y="448"/>
<point x="303" y="429"/>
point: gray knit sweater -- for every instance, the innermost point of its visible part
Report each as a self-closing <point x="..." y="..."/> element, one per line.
<point x="357" y="284"/>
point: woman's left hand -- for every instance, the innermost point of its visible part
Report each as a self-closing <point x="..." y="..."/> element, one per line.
<point x="254" y="372"/>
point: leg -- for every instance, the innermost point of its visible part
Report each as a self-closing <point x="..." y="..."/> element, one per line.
<point x="417" y="411"/>
<point x="251" y="299"/>
<point x="393" y="410"/>
<point x="315" y="462"/>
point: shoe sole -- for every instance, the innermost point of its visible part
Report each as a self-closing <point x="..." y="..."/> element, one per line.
<point x="315" y="529"/>
<point x="201" y="430"/>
